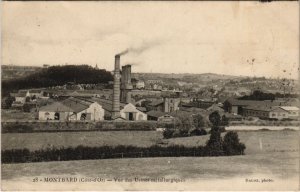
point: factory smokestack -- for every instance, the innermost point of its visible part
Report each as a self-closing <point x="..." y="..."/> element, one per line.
<point x="126" y="85"/>
<point x="116" y="89"/>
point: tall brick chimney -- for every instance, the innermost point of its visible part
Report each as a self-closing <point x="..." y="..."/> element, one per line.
<point x="116" y="90"/>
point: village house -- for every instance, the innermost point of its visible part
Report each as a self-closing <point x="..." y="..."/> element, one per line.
<point x="72" y="109"/>
<point x="154" y="115"/>
<point x="127" y="110"/>
<point x="293" y="112"/>
<point x="160" y="116"/>
<point x="167" y="104"/>
<point x="137" y="84"/>
<point x="20" y="97"/>
<point x="132" y="113"/>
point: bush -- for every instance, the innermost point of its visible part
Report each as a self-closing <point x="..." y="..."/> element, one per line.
<point x="198" y="132"/>
<point x="168" y="133"/>
<point x="221" y="130"/>
<point x="16" y="128"/>
<point x="214" y="144"/>
<point x="183" y="132"/>
<point x="7" y="102"/>
<point x="232" y="145"/>
<point x="215" y="118"/>
<point x="198" y="121"/>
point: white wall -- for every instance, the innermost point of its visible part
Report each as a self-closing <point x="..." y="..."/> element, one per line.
<point x="20" y="99"/>
<point x="43" y="115"/>
<point x="96" y="111"/>
<point x="137" y="115"/>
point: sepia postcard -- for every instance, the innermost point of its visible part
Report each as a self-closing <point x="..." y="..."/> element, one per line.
<point x="150" y="96"/>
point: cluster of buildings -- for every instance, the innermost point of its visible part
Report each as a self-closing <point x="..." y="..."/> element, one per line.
<point x="120" y="103"/>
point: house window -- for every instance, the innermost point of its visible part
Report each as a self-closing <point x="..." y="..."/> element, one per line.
<point x="83" y="116"/>
<point x="273" y="114"/>
<point x="56" y="116"/>
<point x="130" y="116"/>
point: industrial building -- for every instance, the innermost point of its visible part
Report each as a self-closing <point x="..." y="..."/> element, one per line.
<point x="72" y="109"/>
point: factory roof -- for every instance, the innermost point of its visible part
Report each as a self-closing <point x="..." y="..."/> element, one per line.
<point x="68" y="105"/>
<point x="265" y="108"/>
<point x="106" y="104"/>
<point x="238" y="102"/>
<point x="18" y="94"/>
<point x="155" y="113"/>
<point x="290" y="108"/>
<point x="156" y="102"/>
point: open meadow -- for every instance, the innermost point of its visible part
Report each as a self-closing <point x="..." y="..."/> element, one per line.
<point x="256" y="141"/>
<point x="269" y="155"/>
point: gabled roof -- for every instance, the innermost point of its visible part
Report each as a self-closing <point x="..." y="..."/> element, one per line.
<point x="290" y="108"/>
<point x="69" y="105"/>
<point x="18" y="94"/>
<point x="142" y="109"/>
<point x="106" y="104"/>
<point x="155" y="113"/>
<point x="238" y="102"/>
<point x="56" y="107"/>
<point x="194" y="110"/>
<point x="265" y="108"/>
<point x="156" y="102"/>
<point x="215" y="107"/>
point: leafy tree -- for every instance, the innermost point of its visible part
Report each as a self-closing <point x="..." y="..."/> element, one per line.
<point x="214" y="144"/>
<point x="33" y="97"/>
<point x="27" y="99"/>
<point x="168" y="133"/>
<point x="198" y="121"/>
<point x="215" y="118"/>
<point x="6" y="104"/>
<point x="232" y="145"/>
<point x="259" y="95"/>
<point x="26" y="107"/>
<point x="57" y="76"/>
<point x="198" y="132"/>
<point x="225" y="121"/>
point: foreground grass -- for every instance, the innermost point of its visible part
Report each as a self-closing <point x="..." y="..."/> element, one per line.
<point x="273" y="154"/>
<point x="282" y="165"/>
<point x="256" y="142"/>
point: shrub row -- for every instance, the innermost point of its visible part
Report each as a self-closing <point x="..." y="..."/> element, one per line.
<point x="35" y="126"/>
<point x="266" y="123"/>
<point x="105" y="152"/>
<point x="172" y="133"/>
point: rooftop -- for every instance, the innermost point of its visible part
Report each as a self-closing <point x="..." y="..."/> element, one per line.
<point x="69" y="105"/>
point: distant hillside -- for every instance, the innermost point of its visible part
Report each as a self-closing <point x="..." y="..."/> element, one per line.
<point x="58" y="75"/>
<point x="15" y="71"/>
<point x="204" y="76"/>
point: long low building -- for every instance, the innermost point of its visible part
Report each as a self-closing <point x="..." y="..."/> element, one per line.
<point x="272" y="112"/>
<point x="72" y="109"/>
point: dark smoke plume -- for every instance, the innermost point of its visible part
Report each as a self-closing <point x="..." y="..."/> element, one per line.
<point x="123" y="53"/>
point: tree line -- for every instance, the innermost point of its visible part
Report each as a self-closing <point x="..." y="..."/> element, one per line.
<point x="57" y="76"/>
<point x="260" y="96"/>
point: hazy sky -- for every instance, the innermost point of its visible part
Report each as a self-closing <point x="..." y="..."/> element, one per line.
<point x="236" y="38"/>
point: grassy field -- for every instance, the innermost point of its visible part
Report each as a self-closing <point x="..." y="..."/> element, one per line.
<point x="269" y="154"/>
<point x="256" y="141"/>
<point x="15" y="115"/>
